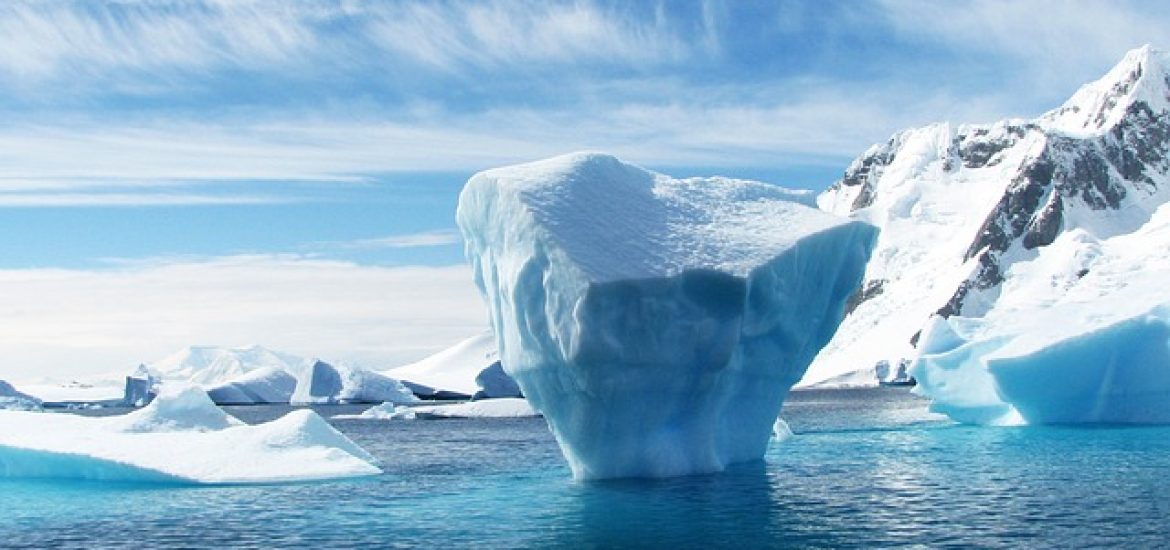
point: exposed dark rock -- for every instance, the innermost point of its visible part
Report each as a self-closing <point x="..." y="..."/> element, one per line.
<point x="1045" y="227"/>
<point x="867" y="291"/>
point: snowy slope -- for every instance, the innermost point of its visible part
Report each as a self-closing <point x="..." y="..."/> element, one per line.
<point x="453" y="369"/>
<point x="966" y="210"/>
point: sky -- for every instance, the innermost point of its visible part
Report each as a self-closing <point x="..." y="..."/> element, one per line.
<point x="217" y="172"/>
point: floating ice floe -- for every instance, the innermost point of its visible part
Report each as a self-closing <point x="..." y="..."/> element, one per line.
<point x="657" y="323"/>
<point x="507" y="407"/>
<point x="181" y="437"/>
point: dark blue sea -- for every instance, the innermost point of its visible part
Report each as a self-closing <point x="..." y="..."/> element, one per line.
<point x="866" y="468"/>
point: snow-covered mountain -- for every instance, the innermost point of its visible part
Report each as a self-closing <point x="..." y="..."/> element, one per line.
<point x="209" y="365"/>
<point x="1012" y="214"/>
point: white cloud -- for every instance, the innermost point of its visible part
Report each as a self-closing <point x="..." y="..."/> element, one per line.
<point x="708" y="127"/>
<point x="442" y="237"/>
<point x="62" y="323"/>
<point x="50" y="38"/>
<point x="453" y="36"/>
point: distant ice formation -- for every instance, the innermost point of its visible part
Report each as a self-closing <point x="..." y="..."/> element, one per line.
<point x="181" y="437"/>
<point x="11" y="399"/>
<point x="323" y="383"/>
<point x="507" y="407"/>
<point x="256" y="375"/>
<point x="657" y="323"/>
<point x="470" y="368"/>
<point x="141" y="387"/>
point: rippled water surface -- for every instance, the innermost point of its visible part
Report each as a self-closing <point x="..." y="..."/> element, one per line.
<point x="866" y="468"/>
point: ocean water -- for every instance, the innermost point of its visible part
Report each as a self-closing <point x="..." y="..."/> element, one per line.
<point x="867" y="468"/>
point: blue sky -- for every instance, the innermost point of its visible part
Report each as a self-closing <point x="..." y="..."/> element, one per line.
<point x="155" y="139"/>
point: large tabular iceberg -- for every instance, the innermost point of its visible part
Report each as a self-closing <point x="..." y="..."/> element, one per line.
<point x="181" y="437"/>
<point x="657" y="323"/>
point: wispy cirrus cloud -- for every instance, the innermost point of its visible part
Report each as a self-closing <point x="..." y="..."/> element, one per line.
<point x="48" y="39"/>
<point x="39" y="200"/>
<point x="439" y="237"/>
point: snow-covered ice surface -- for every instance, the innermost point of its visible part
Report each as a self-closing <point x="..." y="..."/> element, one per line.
<point x="181" y="437"/>
<point x="506" y="407"/>
<point x="456" y="368"/>
<point x="12" y="399"/>
<point x="979" y="218"/>
<point x="657" y="323"/>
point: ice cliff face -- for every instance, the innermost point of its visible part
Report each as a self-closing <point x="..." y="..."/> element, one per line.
<point x="964" y="211"/>
<point x="656" y="323"/>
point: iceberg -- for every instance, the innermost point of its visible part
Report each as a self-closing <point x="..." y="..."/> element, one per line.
<point x="1117" y="372"/>
<point x="324" y="383"/>
<point x="657" y="323"/>
<point x="11" y="399"/>
<point x="141" y="387"/>
<point x="264" y="385"/>
<point x="468" y="369"/>
<point x="181" y="437"/>
<point x="494" y="383"/>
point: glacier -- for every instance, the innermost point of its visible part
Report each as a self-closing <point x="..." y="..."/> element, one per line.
<point x="182" y="438"/>
<point x="657" y="323"/>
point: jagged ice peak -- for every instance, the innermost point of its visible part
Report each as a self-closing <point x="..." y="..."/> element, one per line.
<point x="1140" y="77"/>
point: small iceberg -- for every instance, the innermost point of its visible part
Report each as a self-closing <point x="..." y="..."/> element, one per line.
<point x="505" y="407"/>
<point x="181" y="437"/>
